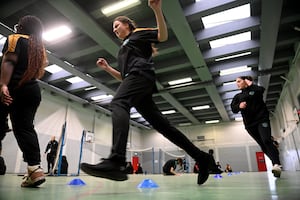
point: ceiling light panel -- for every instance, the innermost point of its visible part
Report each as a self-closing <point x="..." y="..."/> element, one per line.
<point x="231" y="40"/>
<point x="235" y="70"/>
<point x="226" y="16"/>
<point x="119" y="7"/>
<point x="56" y="33"/>
<point x="53" y="69"/>
<point x="75" y="79"/>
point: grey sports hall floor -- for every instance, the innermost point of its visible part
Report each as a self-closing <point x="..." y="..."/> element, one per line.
<point x="242" y="186"/>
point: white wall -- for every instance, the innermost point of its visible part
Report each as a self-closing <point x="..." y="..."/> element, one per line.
<point x="285" y="121"/>
<point x="223" y="137"/>
<point x="51" y="115"/>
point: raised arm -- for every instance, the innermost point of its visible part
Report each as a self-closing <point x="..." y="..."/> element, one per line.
<point x="155" y="5"/>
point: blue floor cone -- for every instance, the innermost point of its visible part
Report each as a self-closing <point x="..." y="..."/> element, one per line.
<point x="218" y="176"/>
<point x="76" y="181"/>
<point x="147" y="183"/>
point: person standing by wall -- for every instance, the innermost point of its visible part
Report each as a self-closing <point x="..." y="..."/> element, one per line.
<point x="51" y="150"/>
<point x="256" y="118"/>
<point x="136" y="89"/>
<point x="23" y="62"/>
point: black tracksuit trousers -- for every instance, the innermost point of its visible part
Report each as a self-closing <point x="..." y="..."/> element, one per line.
<point x="136" y="91"/>
<point x="261" y="133"/>
<point x="26" y="100"/>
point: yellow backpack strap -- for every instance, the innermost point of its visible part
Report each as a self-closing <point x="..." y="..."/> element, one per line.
<point x="12" y="42"/>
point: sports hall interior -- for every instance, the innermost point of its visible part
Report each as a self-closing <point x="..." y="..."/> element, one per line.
<point x="264" y="44"/>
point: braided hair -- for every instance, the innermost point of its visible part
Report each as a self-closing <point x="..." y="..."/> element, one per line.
<point x="32" y="26"/>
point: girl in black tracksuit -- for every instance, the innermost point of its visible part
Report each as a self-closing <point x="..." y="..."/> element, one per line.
<point x="137" y="76"/>
<point x="255" y="116"/>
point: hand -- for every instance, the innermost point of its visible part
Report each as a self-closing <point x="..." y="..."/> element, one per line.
<point x="248" y="82"/>
<point x="243" y="105"/>
<point x="102" y="63"/>
<point x="154" y="4"/>
<point x="5" y="96"/>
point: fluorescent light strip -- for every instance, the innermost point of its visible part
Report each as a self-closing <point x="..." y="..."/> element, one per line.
<point x="167" y="112"/>
<point x="119" y="6"/>
<point x="185" y="124"/>
<point x="179" y="81"/>
<point x="235" y="70"/>
<point x="233" y="56"/>
<point x="56" y="33"/>
<point x="101" y="97"/>
<point x="200" y="107"/>
<point x="212" y="121"/>
<point x="90" y="88"/>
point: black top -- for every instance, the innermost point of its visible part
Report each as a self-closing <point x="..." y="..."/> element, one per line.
<point x="52" y="145"/>
<point x="256" y="110"/>
<point x="168" y="165"/>
<point x="18" y="44"/>
<point x="136" y="51"/>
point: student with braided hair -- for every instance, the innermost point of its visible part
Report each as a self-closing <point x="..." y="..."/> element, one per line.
<point x="23" y="62"/>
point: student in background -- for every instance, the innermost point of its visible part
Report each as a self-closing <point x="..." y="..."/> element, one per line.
<point x="170" y="166"/>
<point x="255" y="115"/>
<point x="228" y="168"/>
<point x="51" y="151"/>
<point x="139" y="169"/>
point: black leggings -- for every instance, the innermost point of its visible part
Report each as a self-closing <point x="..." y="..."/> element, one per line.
<point x="261" y="133"/>
<point x="136" y="91"/>
<point x="22" y="111"/>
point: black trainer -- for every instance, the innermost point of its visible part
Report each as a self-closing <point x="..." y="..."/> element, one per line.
<point x="106" y="169"/>
<point x="205" y="163"/>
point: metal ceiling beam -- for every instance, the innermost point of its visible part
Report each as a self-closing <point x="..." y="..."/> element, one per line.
<point x="231" y="49"/>
<point x="171" y="100"/>
<point x="228" y="29"/>
<point x="11" y="7"/>
<point x="176" y="19"/>
<point x="84" y="52"/>
<point x="75" y="72"/>
<point x="80" y="19"/>
<point x="83" y="21"/>
<point x="204" y="8"/>
<point x="270" y="21"/>
<point x="228" y="64"/>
